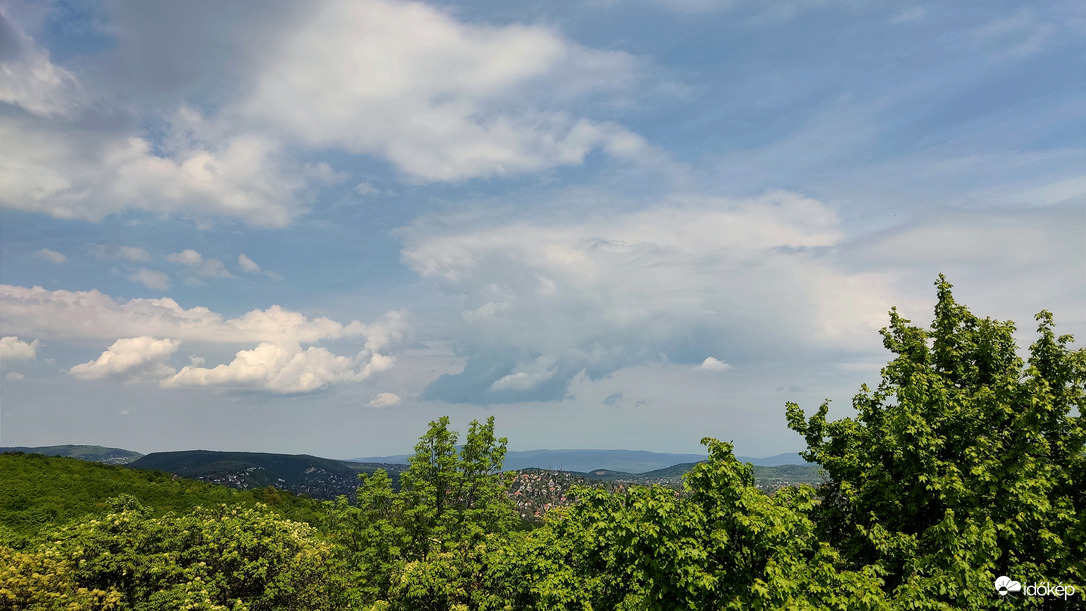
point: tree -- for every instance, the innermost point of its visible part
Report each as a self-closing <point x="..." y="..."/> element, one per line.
<point x="425" y="547"/>
<point x="218" y="558"/>
<point x="964" y="464"/>
<point x="722" y="544"/>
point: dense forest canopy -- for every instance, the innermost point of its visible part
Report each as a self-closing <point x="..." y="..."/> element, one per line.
<point x="963" y="466"/>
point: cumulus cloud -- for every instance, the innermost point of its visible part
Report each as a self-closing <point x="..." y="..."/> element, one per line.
<point x="385" y="399"/>
<point x="67" y="315"/>
<point x="284" y="369"/>
<point x="14" y="349"/>
<point x="439" y="98"/>
<point x="279" y="363"/>
<point x="15" y="375"/>
<point x="201" y="266"/>
<point x="52" y="256"/>
<point x="713" y="364"/>
<point x="547" y="300"/>
<point x="152" y="279"/>
<point x="77" y="171"/>
<point x="130" y="359"/>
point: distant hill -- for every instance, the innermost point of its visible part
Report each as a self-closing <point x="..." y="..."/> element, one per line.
<point x="39" y="492"/>
<point x="626" y="461"/>
<point x="109" y="456"/>
<point x="319" y="478"/>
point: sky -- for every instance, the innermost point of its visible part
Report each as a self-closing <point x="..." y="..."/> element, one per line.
<point x="315" y="227"/>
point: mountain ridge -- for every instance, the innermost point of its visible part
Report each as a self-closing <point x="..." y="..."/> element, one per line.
<point x="625" y="461"/>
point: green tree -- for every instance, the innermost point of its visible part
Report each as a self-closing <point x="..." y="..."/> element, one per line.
<point x="965" y="463"/>
<point x="426" y="546"/>
<point x="218" y="558"/>
<point x="723" y="544"/>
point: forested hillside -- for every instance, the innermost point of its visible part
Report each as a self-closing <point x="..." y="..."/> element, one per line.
<point x="38" y="492"/>
<point x="109" y="456"/>
<point x="964" y="465"/>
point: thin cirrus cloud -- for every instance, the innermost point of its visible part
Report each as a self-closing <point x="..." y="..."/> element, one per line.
<point x="30" y="79"/>
<point x="152" y="279"/>
<point x="52" y="256"/>
<point x="117" y="251"/>
<point x="199" y="265"/>
<point x="249" y="266"/>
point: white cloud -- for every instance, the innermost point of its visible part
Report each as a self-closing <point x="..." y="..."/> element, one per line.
<point x="201" y="266"/>
<point x="116" y="251"/>
<point x="77" y="171"/>
<point x="52" y="256"/>
<point x="15" y="375"/>
<point x="713" y="364"/>
<point x="151" y="279"/>
<point x="546" y="299"/>
<point x="440" y="99"/>
<point x="248" y="265"/>
<point x="29" y="79"/>
<point x="14" y="349"/>
<point x="365" y="188"/>
<point x="283" y="368"/>
<point x="68" y="315"/>
<point x="130" y="359"/>
<point x="385" y="399"/>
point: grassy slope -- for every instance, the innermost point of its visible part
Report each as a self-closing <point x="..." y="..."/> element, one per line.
<point x="38" y="492"/>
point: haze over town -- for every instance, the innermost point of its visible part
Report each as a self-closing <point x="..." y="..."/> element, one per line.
<point x="314" y="227"/>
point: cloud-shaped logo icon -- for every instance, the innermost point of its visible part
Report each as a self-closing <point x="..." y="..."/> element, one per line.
<point x="1005" y="584"/>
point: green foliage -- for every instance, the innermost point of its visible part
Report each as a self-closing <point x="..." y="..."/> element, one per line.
<point x="425" y="547"/>
<point x="43" y="580"/>
<point x="38" y="493"/>
<point x="965" y="463"/>
<point x="722" y="545"/>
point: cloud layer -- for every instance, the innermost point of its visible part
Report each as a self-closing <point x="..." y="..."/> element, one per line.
<point x="747" y="281"/>
<point x="94" y="315"/>
<point x="438" y="98"/>
<point x="546" y="301"/>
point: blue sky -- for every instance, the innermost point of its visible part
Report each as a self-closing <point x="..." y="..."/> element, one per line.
<point x="609" y="224"/>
